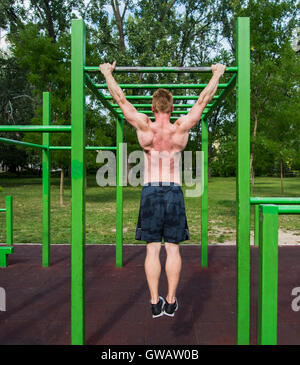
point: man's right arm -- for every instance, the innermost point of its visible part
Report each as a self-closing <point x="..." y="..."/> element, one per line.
<point x="138" y="120"/>
<point x="188" y="121"/>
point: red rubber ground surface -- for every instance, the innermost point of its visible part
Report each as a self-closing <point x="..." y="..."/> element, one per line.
<point x="117" y="301"/>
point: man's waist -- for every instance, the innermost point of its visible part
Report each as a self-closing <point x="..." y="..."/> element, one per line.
<point x="161" y="183"/>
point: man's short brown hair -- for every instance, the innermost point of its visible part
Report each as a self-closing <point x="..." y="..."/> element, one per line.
<point x="162" y="101"/>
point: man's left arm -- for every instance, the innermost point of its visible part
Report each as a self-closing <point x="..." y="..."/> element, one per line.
<point x="136" y="119"/>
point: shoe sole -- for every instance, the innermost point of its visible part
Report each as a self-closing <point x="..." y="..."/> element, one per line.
<point x="158" y="315"/>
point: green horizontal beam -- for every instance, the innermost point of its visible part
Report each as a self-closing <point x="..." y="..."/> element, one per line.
<point x="150" y="105"/>
<point x="2" y="210"/>
<point x="35" y="128"/>
<point x="289" y="209"/>
<point x="27" y="144"/>
<point x="150" y="97"/>
<point x="87" y="148"/>
<point x="150" y="111"/>
<point x="99" y="95"/>
<point x="274" y="200"/>
<point x="151" y="69"/>
<point x="158" y="86"/>
<point x="171" y="118"/>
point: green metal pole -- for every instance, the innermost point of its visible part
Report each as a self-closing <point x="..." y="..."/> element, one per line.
<point x="157" y="86"/>
<point x="159" y="69"/>
<point x="243" y="181"/>
<point x="119" y="194"/>
<point x="289" y="209"/>
<point x="9" y="220"/>
<point x="181" y="106"/>
<point x="78" y="182"/>
<point x="150" y="97"/>
<point x="256" y="224"/>
<point x="46" y="168"/>
<point x="204" y="197"/>
<point x="274" y="200"/>
<point x="268" y="276"/>
<point x="35" y="128"/>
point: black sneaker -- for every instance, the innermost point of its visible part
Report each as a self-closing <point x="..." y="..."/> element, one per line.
<point x="158" y="308"/>
<point x="170" y="309"/>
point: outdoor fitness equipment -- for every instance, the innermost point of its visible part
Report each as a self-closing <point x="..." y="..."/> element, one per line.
<point x="80" y="78"/>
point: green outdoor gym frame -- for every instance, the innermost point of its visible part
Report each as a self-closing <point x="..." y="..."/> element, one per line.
<point x="80" y="78"/>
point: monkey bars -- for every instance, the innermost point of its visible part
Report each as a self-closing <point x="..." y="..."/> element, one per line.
<point x="80" y="78"/>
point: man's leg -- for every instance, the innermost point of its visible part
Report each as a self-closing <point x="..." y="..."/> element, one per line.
<point x="173" y="269"/>
<point x="153" y="269"/>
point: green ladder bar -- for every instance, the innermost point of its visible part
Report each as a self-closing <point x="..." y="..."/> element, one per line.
<point x="78" y="182"/>
<point x="46" y="171"/>
<point x="119" y="194"/>
<point x="150" y="97"/>
<point x="204" y="197"/>
<point x="157" y="86"/>
<point x="243" y="181"/>
<point x="25" y="144"/>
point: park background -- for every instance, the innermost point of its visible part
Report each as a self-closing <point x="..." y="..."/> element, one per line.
<point x="35" y="57"/>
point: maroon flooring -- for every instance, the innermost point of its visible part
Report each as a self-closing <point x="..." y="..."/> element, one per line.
<point x="117" y="301"/>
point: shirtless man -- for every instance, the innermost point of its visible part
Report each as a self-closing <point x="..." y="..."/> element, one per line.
<point x="162" y="211"/>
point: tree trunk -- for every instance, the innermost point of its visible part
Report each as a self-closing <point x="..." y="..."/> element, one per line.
<point x="281" y="178"/>
<point x="50" y="25"/>
<point x="61" y="190"/>
<point x="119" y="20"/>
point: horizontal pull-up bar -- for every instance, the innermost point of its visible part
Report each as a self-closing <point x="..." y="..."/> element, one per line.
<point x="274" y="200"/>
<point x="158" y="86"/>
<point x="2" y="210"/>
<point x="35" y="128"/>
<point x="26" y="144"/>
<point x="159" y="69"/>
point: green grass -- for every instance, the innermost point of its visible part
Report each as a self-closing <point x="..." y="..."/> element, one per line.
<point x="100" y="210"/>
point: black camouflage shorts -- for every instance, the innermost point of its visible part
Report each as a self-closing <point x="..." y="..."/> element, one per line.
<point x="162" y="214"/>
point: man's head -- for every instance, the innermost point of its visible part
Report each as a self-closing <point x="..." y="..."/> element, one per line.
<point x="162" y="101"/>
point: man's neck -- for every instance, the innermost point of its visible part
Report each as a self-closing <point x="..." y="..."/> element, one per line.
<point x="162" y="118"/>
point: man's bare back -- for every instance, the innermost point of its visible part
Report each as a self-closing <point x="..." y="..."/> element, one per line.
<point x="162" y="144"/>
